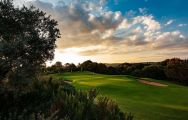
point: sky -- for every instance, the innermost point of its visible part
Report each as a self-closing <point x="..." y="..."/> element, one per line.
<point x="117" y="31"/>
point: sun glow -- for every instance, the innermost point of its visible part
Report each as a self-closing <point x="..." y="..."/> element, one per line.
<point x="70" y="55"/>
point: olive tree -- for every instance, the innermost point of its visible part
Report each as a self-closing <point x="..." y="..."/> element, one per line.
<point x="27" y="40"/>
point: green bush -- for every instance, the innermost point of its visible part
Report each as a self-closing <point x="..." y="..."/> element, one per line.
<point x="55" y="100"/>
<point x="154" y="71"/>
<point x="177" y="70"/>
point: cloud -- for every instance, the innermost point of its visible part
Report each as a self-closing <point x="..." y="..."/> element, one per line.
<point x="142" y="10"/>
<point x="148" y="22"/>
<point x="18" y="3"/>
<point x="168" y="40"/>
<point x="130" y="13"/>
<point x="169" y="22"/>
<point x="182" y="25"/>
<point x="87" y="24"/>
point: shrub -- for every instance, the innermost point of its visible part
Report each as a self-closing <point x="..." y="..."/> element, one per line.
<point x="137" y="73"/>
<point x="55" y="100"/>
<point x="153" y="71"/>
<point x="177" y="70"/>
<point x="109" y="110"/>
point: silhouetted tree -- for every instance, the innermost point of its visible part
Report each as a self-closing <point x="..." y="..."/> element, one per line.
<point x="70" y="67"/>
<point x="112" y="70"/>
<point x="101" y="68"/>
<point x="58" y="64"/>
<point x="154" y="71"/>
<point x="177" y="70"/>
<point x="56" y="68"/>
<point x="165" y="62"/>
<point x="86" y="65"/>
<point x="27" y="40"/>
<point x="137" y="73"/>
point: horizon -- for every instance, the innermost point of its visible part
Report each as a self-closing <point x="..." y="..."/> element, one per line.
<point x="50" y="63"/>
<point x="117" y="31"/>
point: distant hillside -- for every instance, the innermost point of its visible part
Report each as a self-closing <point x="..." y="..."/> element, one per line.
<point x="116" y="64"/>
<point x="112" y="64"/>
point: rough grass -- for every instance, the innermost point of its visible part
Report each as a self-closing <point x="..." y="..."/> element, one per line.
<point x="144" y="101"/>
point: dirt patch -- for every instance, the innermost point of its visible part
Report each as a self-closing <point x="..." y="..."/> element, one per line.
<point x="152" y="83"/>
<point x="68" y="82"/>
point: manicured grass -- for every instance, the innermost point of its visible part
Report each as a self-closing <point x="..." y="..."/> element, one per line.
<point x="144" y="101"/>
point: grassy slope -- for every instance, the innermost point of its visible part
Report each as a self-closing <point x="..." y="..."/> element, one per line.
<point x="144" y="101"/>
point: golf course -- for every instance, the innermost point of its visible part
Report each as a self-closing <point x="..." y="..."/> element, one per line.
<point x="166" y="101"/>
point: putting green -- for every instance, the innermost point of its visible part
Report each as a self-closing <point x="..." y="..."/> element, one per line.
<point x="146" y="102"/>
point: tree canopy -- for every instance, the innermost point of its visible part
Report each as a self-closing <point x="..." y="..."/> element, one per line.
<point x="27" y="39"/>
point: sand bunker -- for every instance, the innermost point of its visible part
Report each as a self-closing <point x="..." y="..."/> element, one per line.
<point x="68" y="82"/>
<point x="152" y="83"/>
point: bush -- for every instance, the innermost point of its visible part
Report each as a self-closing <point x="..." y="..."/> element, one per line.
<point x="177" y="70"/>
<point x="109" y="110"/>
<point x="55" y="100"/>
<point x="153" y="71"/>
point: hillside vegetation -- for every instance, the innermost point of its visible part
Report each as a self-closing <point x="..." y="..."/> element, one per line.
<point x="174" y="70"/>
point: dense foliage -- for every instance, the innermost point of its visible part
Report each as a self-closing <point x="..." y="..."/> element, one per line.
<point x="55" y="100"/>
<point x="27" y="40"/>
<point x="177" y="70"/>
<point x="171" y="69"/>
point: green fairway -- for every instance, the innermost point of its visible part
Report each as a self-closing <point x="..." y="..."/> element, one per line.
<point x="144" y="101"/>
